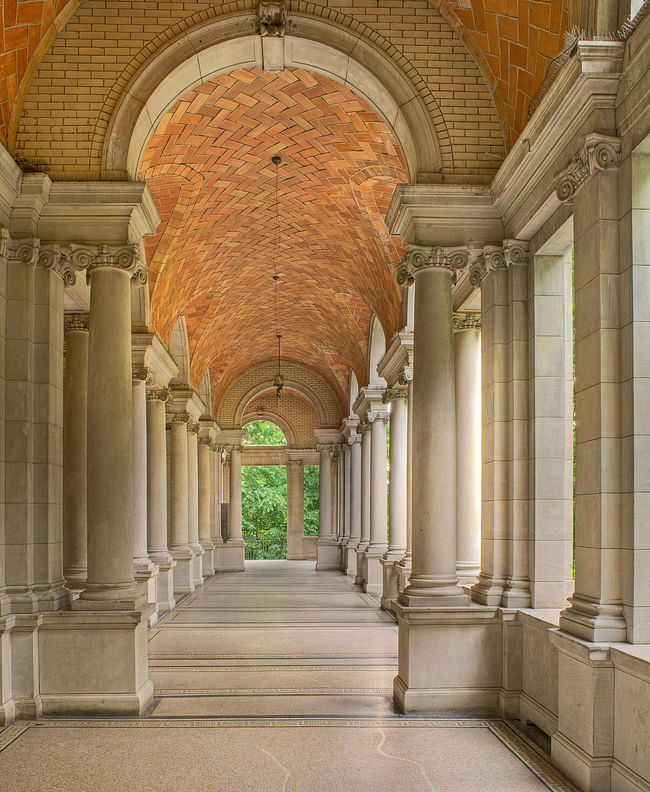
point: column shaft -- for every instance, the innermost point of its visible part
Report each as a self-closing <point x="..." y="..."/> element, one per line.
<point x="433" y="578"/>
<point x="75" y="391"/>
<point x="398" y="476"/>
<point x="467" y="360"/>
<point x="378" y="487"/>
<point x="325" y="495"/>
<point x="139" y="403"/>
<point x="205" y="502"/>
<point x="110" y="439"/>
<point x="235" y="496"/>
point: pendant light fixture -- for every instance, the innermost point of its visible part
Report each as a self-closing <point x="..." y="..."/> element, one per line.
<point x="278" y="382"/>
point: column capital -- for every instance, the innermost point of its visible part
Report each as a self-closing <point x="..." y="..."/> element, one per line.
<point x="159" y="394"/>
<point x="205" y="441"/>
<point x="295" y="462"/>
<point x="466" y="320"/>
<point x="378" y="415"/>
<point x="124" y="258"/>
<point x="515" y="251"/>
<point x="599" y="152"/>
<point x="193" y="426"/>
<point x="180" y="418"/>
<point x="396" y="366"/>
<point x="142" y="374"/>
<point x="419" y="259"/>
<point x="490" y="258"/>
<point x="363" y="427"/>
<point x="76" y="322"/>
<point x="57" y="259"/>
<point x="392" y="394"/>
<point x="354" y="439"/>
<point x="326" y="447"/>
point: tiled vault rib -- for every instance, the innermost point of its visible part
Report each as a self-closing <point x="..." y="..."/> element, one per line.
<point x="278" y="678"/>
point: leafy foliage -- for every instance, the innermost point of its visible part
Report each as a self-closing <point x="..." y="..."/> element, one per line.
<point x="264" y="498"/>
<point x="264" y="433"/>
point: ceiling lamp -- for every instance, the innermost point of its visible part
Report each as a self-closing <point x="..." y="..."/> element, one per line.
<point x="278" y="382"/>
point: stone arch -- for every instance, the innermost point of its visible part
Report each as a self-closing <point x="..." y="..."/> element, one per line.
<point x="179" y="349"/>
<point x="376" y="351"/>
<point x="218" y="47"/>
<point x="274" y="418"/>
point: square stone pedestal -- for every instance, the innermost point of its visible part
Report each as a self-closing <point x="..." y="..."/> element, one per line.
<point x="360" y="577"/>
<point x="450" y="660"/>
<point x="197" y="565"/>
<point x="390" y="582"/>
<point x="583" y="745"/>
<point x="231" y="556"/>
<point x="146" y="577"/>
<point x="95" y="662"/>
<point x="184" y="572"/>
<point x="216" y="556"/>
<point x="350" y="560"/>
<point x="208" y="558"/>
<point x="373" y="577"/>
<point x="165" y="600"/>
<point x="328" y="555"/>
<point x="7" y="705"/>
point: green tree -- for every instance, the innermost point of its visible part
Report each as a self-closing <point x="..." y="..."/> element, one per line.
<point x="311" y="500"/>
<point x="264" y="433"/>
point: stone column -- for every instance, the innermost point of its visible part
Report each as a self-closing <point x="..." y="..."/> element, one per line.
<point x="467" y="360"/>
<point x="205" y="506"/>
<point x="295" y="508"/>
<point x="233" y="549"/>
<point x="193" y="502"/>
<point x="216" y="489"/>
<point x="433" y="578"/>
<point x="346" y="455"/>
<point x="110" y="580"/>
<point x="364" y="540"/>
<point x="144" y="570"/>
<point x="178" y="518"/>
<point x="355" y="503"/>
<point x="398" y="398"/>
<point x="157" y="499"/>
<point x="75" y="390"/>
<point x="404" y="570"/>
<point x="327" y="551"/>
<point x="378" y="502"/>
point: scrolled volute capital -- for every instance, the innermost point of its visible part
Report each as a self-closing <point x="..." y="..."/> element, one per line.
<point x="124" y="258"/>
<point x="468" y="320"/>
<point x="206" y="441"/>
<point x="515" y="251"/>
<point x="353" y="439"/>
<point x="22" y="251"/>
<point x="600" y="152"/>
<point x="160" y="394"/>
<point x="393" y="394"/>
<point x="142" y="374"/>
<point x="405" y="376"/>
<point x="403" y="275"/>
<point x="193" y="426"/>
<point x="378" y="415"/>
<point x="76" y="322"/>
<point x="58" y="260"/>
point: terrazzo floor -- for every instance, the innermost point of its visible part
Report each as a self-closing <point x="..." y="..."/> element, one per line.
<point x="278" y="678"/>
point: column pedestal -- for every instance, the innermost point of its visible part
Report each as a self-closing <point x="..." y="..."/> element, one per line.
<point x="113" y="641"/>
<point x="233" y="551"/>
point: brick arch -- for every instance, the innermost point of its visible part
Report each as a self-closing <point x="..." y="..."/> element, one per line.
<point x="264" y="413"/>
<point x="230" y="406"/>
<point x="292" y="410"/>
<point x="188" y="61"/>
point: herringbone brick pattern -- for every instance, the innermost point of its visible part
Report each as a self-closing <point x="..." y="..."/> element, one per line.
<point x="208" y="166"/>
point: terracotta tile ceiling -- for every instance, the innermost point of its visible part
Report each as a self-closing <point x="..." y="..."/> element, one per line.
<point x="209" y="168"/>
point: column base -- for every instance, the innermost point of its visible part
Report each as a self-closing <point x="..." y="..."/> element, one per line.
<point x="328" y="555"/>
<point x="216" y="555"/>
<point x="373" y="582"/>
<point x="24" y="662"/>
<point x="449" y="660"/>
<point x="165" y="600"/>
<point x="390" y="581"/>
<point x="7" y="704"/>
<point x="467" y="573"/>
<point x="208" y="558"/>
<point x="232" y="556"/>
<point x="488" y="591"/>
<point x="183" y="574"/>
<point x="403" y="569"/>
<point x="109" y="675"/>
<point x="593" y="621"/>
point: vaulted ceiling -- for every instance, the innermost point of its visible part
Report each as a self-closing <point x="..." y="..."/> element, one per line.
<point x="209" y="168"/>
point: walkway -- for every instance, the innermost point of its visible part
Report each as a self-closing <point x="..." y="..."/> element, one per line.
<point x="278" y="678"/>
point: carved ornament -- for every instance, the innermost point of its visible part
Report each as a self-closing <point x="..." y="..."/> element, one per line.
<point x="515" y="251"/>
<point x="600" y="152"/>
<point x="178" y="418"/>
<point x="470" y="320"/>
<point x="273" y="19"/>
<point x="378" y="415"/>
<point x="142" y="374"/>
<point x="90" y="258"/>
<point x="163" y="395"/>
<point x="23" y="251"/>
<point x="57" y="259"/>
<point x="75" y="322"/>
<point x="392" y="394"/>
